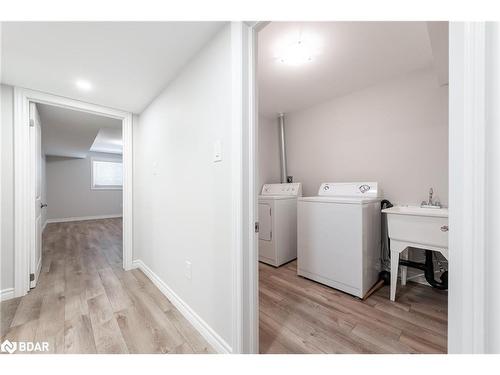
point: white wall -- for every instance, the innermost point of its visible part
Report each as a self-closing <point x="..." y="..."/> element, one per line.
<point x="395" y="133"/>
<point x="182" y="199"/>
<point x="7" y="191"/>
<point x="68" y="189"/>
<point x="268" y="153"/>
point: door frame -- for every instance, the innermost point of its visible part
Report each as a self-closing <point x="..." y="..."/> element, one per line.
<point x="34" y="158"/>
<point x="466" y="313"/>
<point x="246" y="267"/>
<point x="468" y="148"/>
<point x="24" y="179"/>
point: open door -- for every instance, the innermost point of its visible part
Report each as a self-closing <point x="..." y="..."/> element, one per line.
<point x="36" y="148"/>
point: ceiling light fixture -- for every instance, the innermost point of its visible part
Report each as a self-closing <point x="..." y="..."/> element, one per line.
<point x="297" y="51"/>
<point x="83" y="85"/>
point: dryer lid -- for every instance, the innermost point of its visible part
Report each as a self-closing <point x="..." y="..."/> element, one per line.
<point x="350" y="189"/>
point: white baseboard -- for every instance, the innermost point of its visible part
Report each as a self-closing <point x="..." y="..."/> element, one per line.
<point x="6" y="294"/>
<point x="217" y="342"/>
<point x="81" y="218"/>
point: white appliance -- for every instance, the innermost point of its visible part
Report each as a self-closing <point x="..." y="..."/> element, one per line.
<point x="338" y="234"/>
<point x="278" y="223"/>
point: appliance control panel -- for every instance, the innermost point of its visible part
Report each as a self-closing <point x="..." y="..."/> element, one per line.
<point x="350" y="189"/>
<point x="293" y="189"/>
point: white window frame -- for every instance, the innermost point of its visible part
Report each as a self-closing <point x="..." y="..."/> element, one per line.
<point x="104" y="187"/>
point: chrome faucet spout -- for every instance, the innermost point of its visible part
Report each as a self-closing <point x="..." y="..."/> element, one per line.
<point x="430" y="203"/>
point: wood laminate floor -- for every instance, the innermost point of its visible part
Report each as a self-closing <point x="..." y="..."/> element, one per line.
<point x="86" y="303"/>
<point x="301" y="316"/>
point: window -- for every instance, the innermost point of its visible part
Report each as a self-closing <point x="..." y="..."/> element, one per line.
<point x="107" y="174"/>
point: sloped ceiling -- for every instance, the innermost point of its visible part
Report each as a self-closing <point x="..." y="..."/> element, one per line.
<point x="71" y="133"/>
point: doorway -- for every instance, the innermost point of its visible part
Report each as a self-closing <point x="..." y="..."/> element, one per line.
<point x="28" y="174"/>
<point x="299" y="292"/>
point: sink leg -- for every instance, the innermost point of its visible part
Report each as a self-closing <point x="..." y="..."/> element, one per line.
<point x="404" y="269"/>
<point x="394" y="273"/>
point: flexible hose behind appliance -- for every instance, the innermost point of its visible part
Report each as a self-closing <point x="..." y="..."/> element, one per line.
<point x="385" y="255"/>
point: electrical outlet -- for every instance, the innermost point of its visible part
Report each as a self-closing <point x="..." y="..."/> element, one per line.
<point x="187" y="270"/>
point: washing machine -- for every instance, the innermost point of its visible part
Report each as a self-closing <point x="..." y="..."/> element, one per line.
<point x="338" y="236"/>
<point x="278" y="223"/>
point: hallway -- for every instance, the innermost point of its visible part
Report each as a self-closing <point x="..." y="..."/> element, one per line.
<point x="86" y="303"/>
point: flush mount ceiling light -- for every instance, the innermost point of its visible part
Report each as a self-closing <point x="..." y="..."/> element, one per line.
<point x="297" y="50"/>
<point x="83" y="85"/>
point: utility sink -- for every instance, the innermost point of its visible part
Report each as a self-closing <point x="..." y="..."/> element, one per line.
<point x="413" y="226"/>
<point x="427" y="226"/>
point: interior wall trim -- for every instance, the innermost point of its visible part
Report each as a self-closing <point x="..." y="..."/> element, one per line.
<point x="6" y="294"/>
<point x="467" y="145"/>
<point x="24" y="178"/>
<point x="82" y="218"/>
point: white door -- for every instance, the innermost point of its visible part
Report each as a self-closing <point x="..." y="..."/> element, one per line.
<point x="36" y="148"/>
<point x="265" y="222"/>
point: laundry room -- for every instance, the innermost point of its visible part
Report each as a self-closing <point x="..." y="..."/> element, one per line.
<point x="352" y="164"/>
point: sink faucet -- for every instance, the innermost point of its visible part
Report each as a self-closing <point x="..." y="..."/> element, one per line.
<point x="430" y="203"/>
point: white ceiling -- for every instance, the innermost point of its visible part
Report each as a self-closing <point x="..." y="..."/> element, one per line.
<point x="128" y="63"/>
<point x="353" y="55"/>
<point x="70" y="133"/>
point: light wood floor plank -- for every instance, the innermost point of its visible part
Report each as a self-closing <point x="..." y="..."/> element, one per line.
<point x="107" y="335"/>
<point x="78" y="335"/>
<point x="117" y="296"/>
<point x="7" y="313"/>
<point x="28" y="309"/>
<point x="137" y="334"/>
<point x="165" y="335"/>
<point x="301" y="316"/>
<point x="23" y="332"/>
<point x="51" y="322"/>
<point x="191" y="335"/>
<point x="86" y="303"/>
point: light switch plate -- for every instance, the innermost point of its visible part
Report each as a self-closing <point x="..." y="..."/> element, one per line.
<point x="217" y="151"/>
